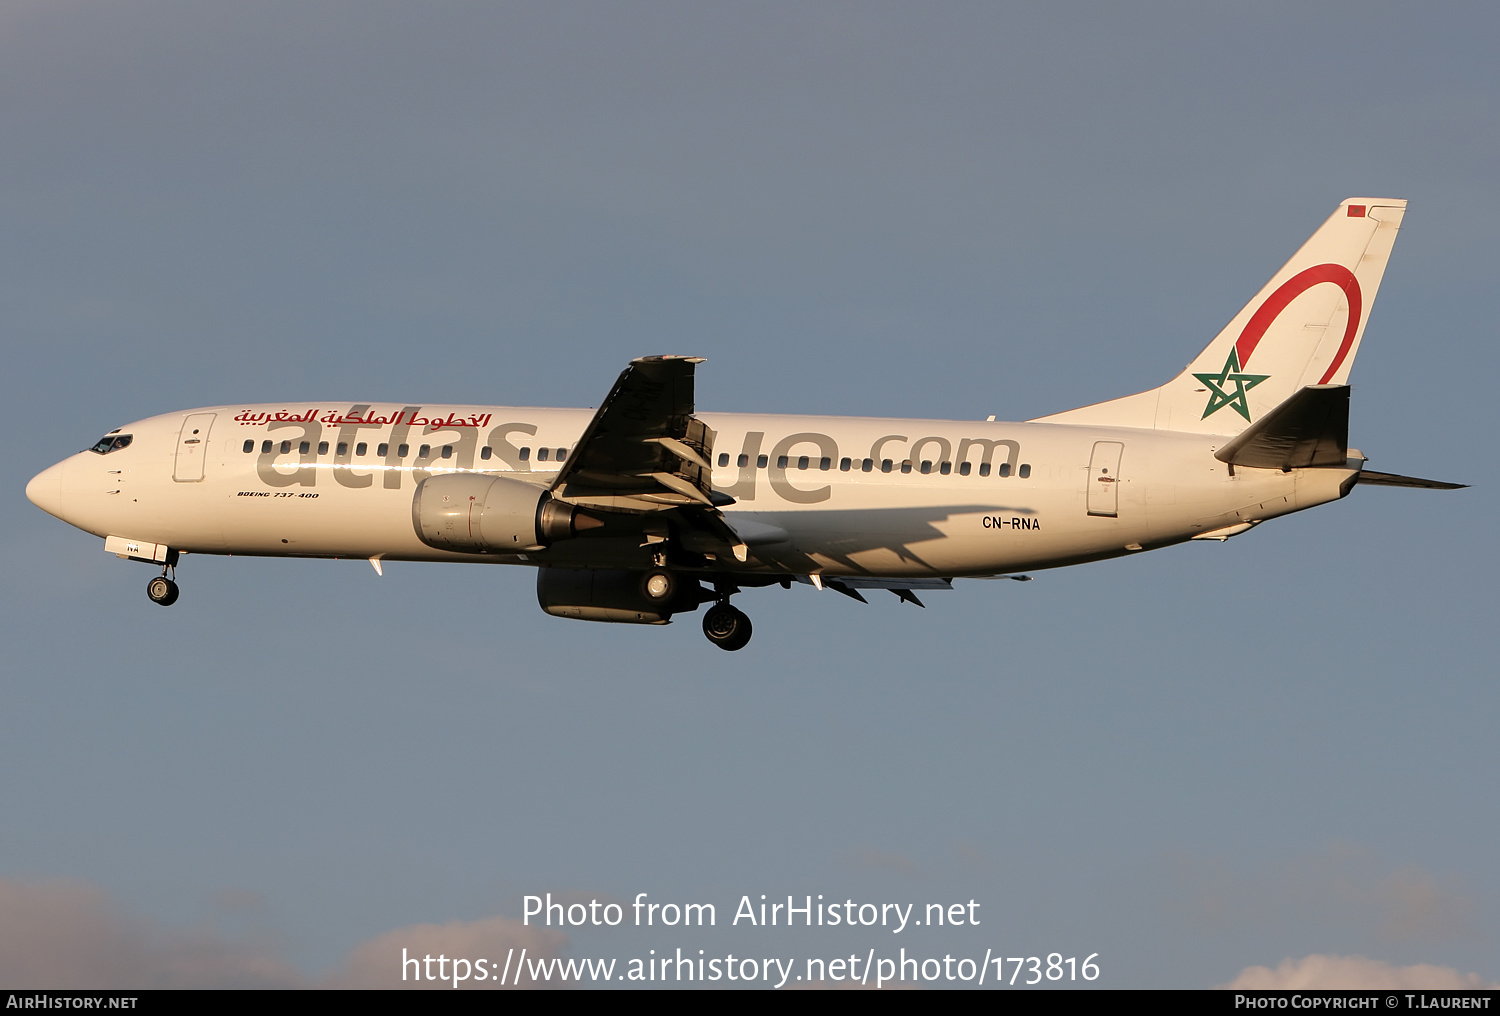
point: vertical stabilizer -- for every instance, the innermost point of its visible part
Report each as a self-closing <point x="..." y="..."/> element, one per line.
<point x="1303" y="328"/>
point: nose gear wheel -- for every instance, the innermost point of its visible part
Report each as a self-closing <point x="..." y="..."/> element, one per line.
<point x="162" y="590"/>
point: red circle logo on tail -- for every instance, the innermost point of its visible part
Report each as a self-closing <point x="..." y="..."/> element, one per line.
<point x="1288" y="291"/>
<point x="1229" y="386"/>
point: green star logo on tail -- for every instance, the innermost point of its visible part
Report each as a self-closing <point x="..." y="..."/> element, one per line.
<point x="1219" y="387"/>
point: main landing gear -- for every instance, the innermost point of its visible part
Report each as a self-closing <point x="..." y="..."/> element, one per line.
<point x="726" y="627"/>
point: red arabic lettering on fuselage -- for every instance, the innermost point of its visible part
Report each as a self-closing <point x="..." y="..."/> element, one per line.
<point x="337" y="418"/>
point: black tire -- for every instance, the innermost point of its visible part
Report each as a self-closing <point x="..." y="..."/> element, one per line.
<point x="727" y="627"/>
<point x="658" y="586"/>
<point x="162" y="590"/>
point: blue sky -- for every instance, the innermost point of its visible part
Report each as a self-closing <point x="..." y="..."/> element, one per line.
<point x="1193" y="762"/>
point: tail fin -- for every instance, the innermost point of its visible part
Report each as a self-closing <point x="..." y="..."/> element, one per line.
<point x="1303" y="328"/>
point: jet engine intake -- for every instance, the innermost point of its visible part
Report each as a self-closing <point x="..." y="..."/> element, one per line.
<point x="476" y="514"/>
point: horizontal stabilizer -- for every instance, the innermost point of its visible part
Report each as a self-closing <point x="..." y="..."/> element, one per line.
<point x="1309" y="429"/>
<point x="1375" y="479"/>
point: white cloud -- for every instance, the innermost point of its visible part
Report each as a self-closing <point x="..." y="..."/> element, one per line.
<point x="1353" y="973"/>
<point x="378" y="963"/>
<point x="67" y="935"/>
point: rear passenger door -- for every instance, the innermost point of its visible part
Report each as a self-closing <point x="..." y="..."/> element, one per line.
<point x="1104" y="479"/>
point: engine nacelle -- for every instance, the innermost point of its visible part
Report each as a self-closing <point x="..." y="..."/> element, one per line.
<point x="598" y="594"/>
<point x="476" y="514"/>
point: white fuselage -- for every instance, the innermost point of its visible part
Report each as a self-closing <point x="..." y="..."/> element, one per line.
<point x="814" y="495"/>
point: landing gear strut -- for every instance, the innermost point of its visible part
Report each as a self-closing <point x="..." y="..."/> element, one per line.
<point x="726" y="627"/>
<point x="161" y="589"/>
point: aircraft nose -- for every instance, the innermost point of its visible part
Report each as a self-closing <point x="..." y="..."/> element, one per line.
<point x="45" y="490"/>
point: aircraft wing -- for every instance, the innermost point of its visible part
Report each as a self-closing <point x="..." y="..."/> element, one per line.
<point x="644" y="449"/>
<point x="850" y="585"/>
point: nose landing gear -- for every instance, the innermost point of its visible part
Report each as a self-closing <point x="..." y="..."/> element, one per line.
<point x="726" y="627"/>
<point x="162" y="590"/>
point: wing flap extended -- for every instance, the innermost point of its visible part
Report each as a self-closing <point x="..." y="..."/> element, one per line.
<point x="850" y="585"/>
<point x="644" y="449"/>
<point x="872" y="582"/>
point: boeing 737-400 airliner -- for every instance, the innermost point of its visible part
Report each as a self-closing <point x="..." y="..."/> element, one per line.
<point x="647" y="508"/>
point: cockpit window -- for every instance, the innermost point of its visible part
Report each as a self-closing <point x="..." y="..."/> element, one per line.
<point x="111" y="443"/>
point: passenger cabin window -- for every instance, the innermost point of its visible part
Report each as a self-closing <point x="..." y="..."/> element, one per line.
<point x="322" y="448"/>
<point x="760" y="461"/>
<point x="541" y="454"/>
<point x="781" y="462"/>
<point x="424" y="451"/>
<point x="381" y="449"/>
<point x="525" y="454"/>
<point x="1005" y="469"/>
<point x="265" y="448"/>
<point x="562" y="453"/>
<point x="401" y="451"/>
<point x="249" y="445"/>
<point x="111" y="443"/>
<point x="963" y="468"/>
<point x="1025" y="470"/>
<point x="984" y="469"/>
<point x="286" y="446"/>
<point x="885" y="465"/>
<point x="844" y="464"/>
<point x="723" y="459"/>
<point x="343" y="449"/>
<point x="742" y="461"/>
<point x="946" y="468"/>
<point x="360" y="449"/>
<point x="486" y="452"/>
<point x="802" y="462"/>
<point x="447" y="451"/>
<point x="926" y="465"/>
<point x="303" y="447"/>
<point x="906" y="465"/>
<point x="867" y="465"/>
